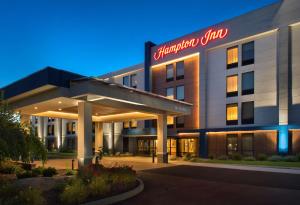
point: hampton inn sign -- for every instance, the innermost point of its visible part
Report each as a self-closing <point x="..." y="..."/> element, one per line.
<point x="210" y="35"/>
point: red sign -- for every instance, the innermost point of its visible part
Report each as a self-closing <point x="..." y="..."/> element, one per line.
<point x="210" y="35"/>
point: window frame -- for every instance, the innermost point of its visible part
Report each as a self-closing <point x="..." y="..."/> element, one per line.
<point x="177" y="92"/>
<point x="232" y="122"/>
<point x="235" y="93"/>
<point x="237" y="143"/>
<point x="248" y="91"/>
<point x="179" y="77"/>
<point x="131" y="82"/>
<point x="125" y="77"/>
<point x="247" y="121"/>
<point x="242" y="144"/>
<point x="248" y="61"/>
<point x="167" y="92"/>
<point x="169" y="68"/>
<point x="232" y="65"/>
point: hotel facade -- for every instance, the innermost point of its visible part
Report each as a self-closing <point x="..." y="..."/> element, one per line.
<point x="241" y="78"/>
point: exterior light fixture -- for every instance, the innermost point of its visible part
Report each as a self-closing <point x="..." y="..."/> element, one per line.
<point x="35" y="108"/>
<point x="59" y="102"/>
<point x="60" y="109"/>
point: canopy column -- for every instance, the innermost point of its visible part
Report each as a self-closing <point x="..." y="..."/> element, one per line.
<point x="84" y="148"/>
<point x="98" y="136"/>
<point x="162" y="153"/>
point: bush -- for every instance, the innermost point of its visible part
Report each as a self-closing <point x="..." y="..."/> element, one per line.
<point x="298" y="156"/>
<point x="275" y="158"/>
<point x="74" y="193"/>
<point x="290" y="158"/>
<point x="249" y="158"/>
<point x="223" y="157"/>
<point x="236" y="156"/>
<point x="262" y="157"/>
<point x="25" y="174"/>
<point x="31" y="196"/>
<point x="8" y="167"/>
<point x="211" y="157"/>
<point x="37" y="171"/>
<point x="100" y="186"/>
<point x="70" y="172"/>
<point x="49" y="172"/>
<point x="187" y="156"/>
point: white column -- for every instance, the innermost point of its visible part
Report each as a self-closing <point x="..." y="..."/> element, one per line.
<point x="58" y="130"/>
<point x="162" y="153"/>
<point x="84" y="145"/>
<point x="63" y="132"/>
<point x="45" y="130"/>
<point x="40" y="128"/>
<point x="98" y="136"/>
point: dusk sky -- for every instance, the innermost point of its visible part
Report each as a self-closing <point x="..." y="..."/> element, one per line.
<point x="93" y="37"/>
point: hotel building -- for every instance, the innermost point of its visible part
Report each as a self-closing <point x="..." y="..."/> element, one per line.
<point x="241" y="77"/>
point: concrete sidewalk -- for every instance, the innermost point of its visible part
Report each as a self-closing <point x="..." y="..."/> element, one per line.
<point x="240" y="167"/>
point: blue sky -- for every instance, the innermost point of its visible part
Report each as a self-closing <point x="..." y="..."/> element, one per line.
<point x="93" y="37"/>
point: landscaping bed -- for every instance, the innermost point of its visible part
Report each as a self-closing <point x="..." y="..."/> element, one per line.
<point x="41" y="186"/>
<point x="289" y="161"/>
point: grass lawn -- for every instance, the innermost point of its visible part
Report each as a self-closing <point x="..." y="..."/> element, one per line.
<point x="256" y="163"/>
<point x="61" y="155"/>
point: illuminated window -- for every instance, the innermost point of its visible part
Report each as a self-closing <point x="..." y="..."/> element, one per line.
<point x="50" y="130"/>
<point x="133" y="124"/>
<point x="248" y="83"/>
<point x="248" y="112"/>
<point x="126" y="124"/>
<point x="170" y="72"/>
<point x="232" y="144"/>
<point x="133" y="81"/>
<point x="180" y="92"/>
<point x="180" y="122"/>
<point x="180" y="70"/>
<point x="232" y="114"/>
<point x="126" y="81"/>
<point x="248" y="53"/>
<point x="232" y="57"/>
<point x="247" y="144"/>
<point x="232" y="86"/>
<point x="71" y="127"/>
<point x="170" y="93"/>
<point x="170" y="121"/>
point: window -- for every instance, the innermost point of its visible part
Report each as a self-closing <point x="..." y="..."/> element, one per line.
<point x="170" y="72"/>
<point x="232" y="114"/>
<point x="232" y="57"/>
<point x="247" y="144"/>
<point x="133" y="81"/>
<point x="248" y="83"/>
<point x="170" y="93"/>
<point x="180" y="92"/>
<point x="71" y="127"/>
<point x="50" y="130"/>
<point x="180" y="70"/>
<point x="126" y="125"/>
<point x="133" y="124"/>
<point x="248" y="53"/>
<point x="126" y="81"/>
<point x="180" y="122"/>
<point x="232" y="86"/>
<point x="248" y="112"/>
<point x="170" y="122"/>
<point x="232" y="144"/>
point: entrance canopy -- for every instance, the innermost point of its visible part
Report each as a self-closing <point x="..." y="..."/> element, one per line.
<point x="61" y="94"/>
<point x="59" y="97"/>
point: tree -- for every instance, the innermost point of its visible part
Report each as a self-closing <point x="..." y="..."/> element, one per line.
<point x="18" y="141"/>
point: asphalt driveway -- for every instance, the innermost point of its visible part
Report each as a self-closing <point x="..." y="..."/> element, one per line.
<point x="203" y="185"/>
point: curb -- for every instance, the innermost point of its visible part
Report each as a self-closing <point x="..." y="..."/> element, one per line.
<point x="119" y="197"/>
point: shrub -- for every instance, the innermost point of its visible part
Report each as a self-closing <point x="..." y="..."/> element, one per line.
<point x="290" y="158"/>
<point x="193" y="159"/>
<point x="25" y="174"/>
<point x="100" y="186"/>
<point x="236" y="156"/>
<point x="8" y="167"/>
<point x="262" y="157"/>
<point x="187" y="156"/>
<point x="31" y="196"/>
<point x="37" y="171"/>
<point x="249" y="158"/>
<point x="74" y="193"/>
<point x="49" y="172"/>
<point x="298" y="156"/>
<point x="26" y="166"/>
<point x="275" y="158"/>
<point x="211" y="157"/>
<point x="70" y="172"/>
<point x="223" y="157"/>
